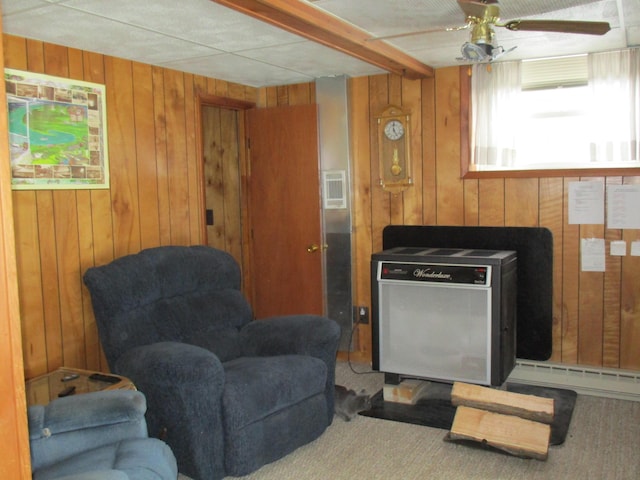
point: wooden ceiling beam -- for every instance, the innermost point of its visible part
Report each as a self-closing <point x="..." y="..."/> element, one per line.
<point x="314" y="24"/>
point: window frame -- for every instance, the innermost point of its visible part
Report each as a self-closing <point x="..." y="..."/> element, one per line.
<point x="465" y="150"/>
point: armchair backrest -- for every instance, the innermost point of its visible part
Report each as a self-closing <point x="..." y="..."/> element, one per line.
<point x="172" y="293"/>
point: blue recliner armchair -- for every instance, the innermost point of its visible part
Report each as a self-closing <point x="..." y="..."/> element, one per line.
<point x="97" y="436"/>
<point x="228" y="393"/>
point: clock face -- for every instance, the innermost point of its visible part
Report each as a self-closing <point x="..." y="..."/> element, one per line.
<point x="394" y="130"/>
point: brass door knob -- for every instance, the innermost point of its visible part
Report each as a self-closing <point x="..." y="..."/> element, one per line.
<point x="314" y="248"/>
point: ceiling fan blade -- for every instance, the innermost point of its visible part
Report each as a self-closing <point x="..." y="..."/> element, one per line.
<point x="561" y="26"/>
<point x="419" y="32"/>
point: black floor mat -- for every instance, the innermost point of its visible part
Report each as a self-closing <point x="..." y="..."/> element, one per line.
<point x="434" y="408"/>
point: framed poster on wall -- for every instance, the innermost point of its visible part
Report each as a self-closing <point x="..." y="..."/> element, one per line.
<point x="57" y="132"/>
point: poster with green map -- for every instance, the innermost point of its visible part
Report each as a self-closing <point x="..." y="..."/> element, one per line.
<point x="57" y="132"/>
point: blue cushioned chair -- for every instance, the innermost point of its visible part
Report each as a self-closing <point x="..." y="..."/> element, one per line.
<point x="97" y="436"/>
<point x="229" y="394"/>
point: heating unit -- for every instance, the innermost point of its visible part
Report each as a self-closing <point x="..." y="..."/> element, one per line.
<point x="444" y="314"/>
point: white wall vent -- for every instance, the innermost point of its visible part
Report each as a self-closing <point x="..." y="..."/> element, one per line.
<point x="334" y="189"/>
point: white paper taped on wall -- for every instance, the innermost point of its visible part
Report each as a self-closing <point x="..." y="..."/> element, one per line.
<point x="586" y="203"/>
<point x="618" y="248"/>
<point x="622" y="206"/>
<point x="592" y="254"/>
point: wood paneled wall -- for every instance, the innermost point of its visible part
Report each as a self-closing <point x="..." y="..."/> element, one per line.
<point x="296" y="94"/>
<point x="596" y="316"/>
<point x="155" y="196"/>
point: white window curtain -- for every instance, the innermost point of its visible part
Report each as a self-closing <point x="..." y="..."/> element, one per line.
<point x="614" y="78"/>
<point x="494" y="100"/>
<point x="614" y="133"/>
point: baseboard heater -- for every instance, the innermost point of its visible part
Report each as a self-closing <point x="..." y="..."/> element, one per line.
<point x="594" y="381"/>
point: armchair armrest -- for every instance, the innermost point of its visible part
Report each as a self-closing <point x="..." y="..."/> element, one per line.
<point x="167" y="364"/>
<point x="184" y="385"/>
<point x="71" y="425"/>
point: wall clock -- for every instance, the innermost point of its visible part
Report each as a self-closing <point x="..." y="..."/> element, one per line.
<point x="394" y="153"/>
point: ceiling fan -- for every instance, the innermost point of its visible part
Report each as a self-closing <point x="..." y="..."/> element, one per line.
<point x="483" y="15"/>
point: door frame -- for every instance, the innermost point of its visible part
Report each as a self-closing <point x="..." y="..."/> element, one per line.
<point x="240" y="106"/>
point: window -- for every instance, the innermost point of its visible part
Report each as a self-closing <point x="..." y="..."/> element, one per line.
<point x="575" y="112"/>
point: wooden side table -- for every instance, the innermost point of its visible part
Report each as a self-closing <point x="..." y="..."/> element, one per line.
<point x="41" y="390"/>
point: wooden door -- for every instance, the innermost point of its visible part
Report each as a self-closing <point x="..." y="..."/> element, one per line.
<point x="284" y="209"/>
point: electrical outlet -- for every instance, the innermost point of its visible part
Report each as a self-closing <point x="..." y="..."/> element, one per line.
<point x="363" y="315"/>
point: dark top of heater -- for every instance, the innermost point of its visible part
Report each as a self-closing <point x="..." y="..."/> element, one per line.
<point x="444" y="252"/>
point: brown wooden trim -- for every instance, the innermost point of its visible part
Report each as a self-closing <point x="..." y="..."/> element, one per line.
<point x="465" y="120"/>
<point x="14" y="439"/>
<point x="314" y="24"/>
<point x="245" y="213"/>
<point x="224" y="102"/>
<point x="577" y="172"/>
<point x="243" y="158"/>
<point x="200" y="175"/>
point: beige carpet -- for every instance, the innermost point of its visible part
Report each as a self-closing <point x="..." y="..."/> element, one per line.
<point x="603" y="443"/>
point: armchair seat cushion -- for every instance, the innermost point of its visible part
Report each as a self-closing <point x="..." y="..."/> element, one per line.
<point x="271" y="406"/>
<point x="256" y="387"/>
<point x="133" y="459"/>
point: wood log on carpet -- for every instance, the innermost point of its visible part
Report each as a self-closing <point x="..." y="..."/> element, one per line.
<point x="514" y="435"/>
<point x="407" y="392"/>
<point x="530" y="407"/>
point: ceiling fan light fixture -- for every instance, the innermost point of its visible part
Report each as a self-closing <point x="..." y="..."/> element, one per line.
<point x="477" y="52"/>
<point x="481" y="52"/>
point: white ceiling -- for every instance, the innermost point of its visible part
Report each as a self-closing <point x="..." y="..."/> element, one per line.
<point x="204" y="38"/>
